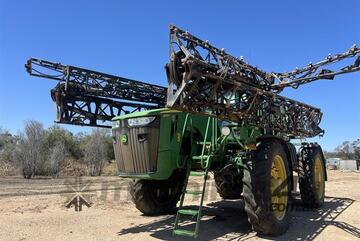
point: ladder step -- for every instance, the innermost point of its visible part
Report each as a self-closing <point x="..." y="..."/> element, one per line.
<point x="204" y="157"/>
<point x="193" y="192"/>
<point x="188" y="212"/>
<point x="183" y="232"/>
<point x="197" y="174"/>
<point x="203" y="142"/>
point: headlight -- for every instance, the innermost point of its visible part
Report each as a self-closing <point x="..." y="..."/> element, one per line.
<point x="141" y="121"/>
<point x="115" y="124"/>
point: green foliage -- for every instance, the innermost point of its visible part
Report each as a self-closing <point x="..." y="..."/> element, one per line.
<point x="57" y="134"/>
<point x="7" y="143"/>
<point x="75" y="144"/>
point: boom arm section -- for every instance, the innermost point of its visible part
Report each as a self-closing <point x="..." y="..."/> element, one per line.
<point x="219" y="64"/>
<point x="313" y="72"/>
<point x="91" y="98"/>
<point x="205" y="79"/>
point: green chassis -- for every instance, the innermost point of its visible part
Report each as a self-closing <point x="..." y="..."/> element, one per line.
<point x="179" y="134"/>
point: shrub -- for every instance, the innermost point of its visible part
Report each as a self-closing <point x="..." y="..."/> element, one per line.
<point x="95" y="154"/>
<point x="30" y="151"/>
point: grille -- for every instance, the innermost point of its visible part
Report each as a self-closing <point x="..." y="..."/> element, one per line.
<point x="138" y="154"/>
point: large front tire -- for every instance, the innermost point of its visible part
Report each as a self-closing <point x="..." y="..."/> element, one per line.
<point x="154" y="197"/>
<point x="266" y="189"/>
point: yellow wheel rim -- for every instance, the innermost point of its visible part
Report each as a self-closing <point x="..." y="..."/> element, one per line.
<point x="279" y="187"/>
<point x="319" y="178"/>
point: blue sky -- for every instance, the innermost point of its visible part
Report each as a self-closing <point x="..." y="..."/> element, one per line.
<point x="130" y="39"/>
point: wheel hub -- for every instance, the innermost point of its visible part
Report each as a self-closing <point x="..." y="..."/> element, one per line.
<point x="279" y="187"/>
<point x="319" y="178"/>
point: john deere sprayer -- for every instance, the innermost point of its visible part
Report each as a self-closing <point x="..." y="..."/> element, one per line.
<point x="218" y="114"/>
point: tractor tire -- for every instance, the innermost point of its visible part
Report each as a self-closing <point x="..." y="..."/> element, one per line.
<point x="228" y="182"/>
<point x="267" y="188"/>
<point x="156" y="197"/>
<point x="312" y="176"/>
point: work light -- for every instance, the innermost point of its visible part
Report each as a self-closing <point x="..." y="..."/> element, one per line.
<point x="141" y="121"/>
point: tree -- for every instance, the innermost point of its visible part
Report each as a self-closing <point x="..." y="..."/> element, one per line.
<point x="3" y="137"/>
<point x="30" y="152"/>
<point x="7" y="143"/>
<point x="109" y="147"/>
<point x="56" y="157"/>
<point x="81" y="139"/>
<point x="345" y="150"/>
<point x="39" y="151"/>
<point x="356" y="146"/>
<point x="56" y="134"/>
<point x="357" y="153"/>
<point x="95" y="153"/>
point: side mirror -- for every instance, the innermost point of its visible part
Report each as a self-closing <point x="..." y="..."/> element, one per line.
<point x="225" y="131"/>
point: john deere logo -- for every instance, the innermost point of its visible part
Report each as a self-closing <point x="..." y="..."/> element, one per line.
<point x="124" y="139"/>
<point x="178" y="137"/>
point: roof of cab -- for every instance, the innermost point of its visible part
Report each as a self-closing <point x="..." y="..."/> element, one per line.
<point x="140" y="114"/>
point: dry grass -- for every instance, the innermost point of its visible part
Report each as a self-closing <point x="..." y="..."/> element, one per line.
<point x="110" y="169"/>
<point x="7" y="169"/>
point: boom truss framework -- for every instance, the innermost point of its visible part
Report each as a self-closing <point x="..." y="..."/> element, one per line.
<point x="201" y="79"/>
<point x="86" y="97"/>
<point x="205" y="79"/>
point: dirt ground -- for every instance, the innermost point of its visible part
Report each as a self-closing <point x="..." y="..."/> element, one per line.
<point x="35" y="210"/>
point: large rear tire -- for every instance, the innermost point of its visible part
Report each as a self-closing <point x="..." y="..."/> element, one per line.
<point x="154" y="197"/>
<point x="312" y="176"/>
<point x="266" y="189"/>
